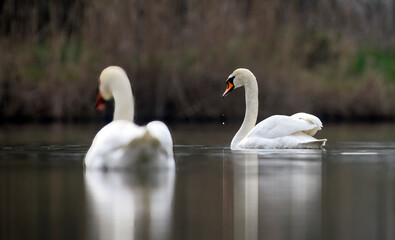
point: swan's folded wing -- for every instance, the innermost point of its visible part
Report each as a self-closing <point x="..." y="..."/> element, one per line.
<point x="310" y="119"/>
<point x="279" y="126"/>
<point x="111" y="138"/>
<point x="159" y="130"/>
<point x="118" y="134"/>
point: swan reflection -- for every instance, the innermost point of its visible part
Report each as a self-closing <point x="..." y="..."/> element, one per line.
<point x="272" y="197"/>
<point x="124" y="205"/>
<point x="245" y="194"/>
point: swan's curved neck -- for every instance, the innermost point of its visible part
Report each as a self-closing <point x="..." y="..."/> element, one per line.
<point x="251" y="113"/>
<point x="123" y="104"/>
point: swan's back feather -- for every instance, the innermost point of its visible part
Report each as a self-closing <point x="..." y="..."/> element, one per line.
<point x="159" y="130"/>
<point x="124" y="145"/>
<point x="279" y="126"/>
<point x="296" y="141"/>
<point x="281" y="131"/>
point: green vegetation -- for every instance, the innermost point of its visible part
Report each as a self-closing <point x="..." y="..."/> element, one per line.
<point x="382" y="61"/>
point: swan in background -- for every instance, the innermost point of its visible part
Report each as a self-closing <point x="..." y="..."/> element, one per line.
<point x="122" y="144"/>
<point x="277" y="131"/>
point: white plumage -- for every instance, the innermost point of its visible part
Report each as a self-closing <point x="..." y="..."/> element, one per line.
<point x="281" y="131"/>
<point x="277" y="131"/>
<point x="122" y="144"/>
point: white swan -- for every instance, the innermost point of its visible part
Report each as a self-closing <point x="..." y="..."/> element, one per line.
<point x="277" y="131"/>
<point x="122" y="144"/>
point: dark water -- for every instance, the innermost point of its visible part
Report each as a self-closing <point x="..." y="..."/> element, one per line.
<point x="346" y="191"/>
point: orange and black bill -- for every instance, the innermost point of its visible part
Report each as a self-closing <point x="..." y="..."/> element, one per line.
<point x="229" y="86"/>
<point x="100" y="103"/>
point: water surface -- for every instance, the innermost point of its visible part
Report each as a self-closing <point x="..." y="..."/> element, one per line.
<point x="346" y="191"/>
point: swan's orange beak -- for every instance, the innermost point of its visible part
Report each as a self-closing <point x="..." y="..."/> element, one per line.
<point x="100" y="103"/>
<point x="229" y="88"/>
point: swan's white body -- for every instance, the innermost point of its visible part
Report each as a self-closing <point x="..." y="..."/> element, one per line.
<point x="277" y="131"/>
<point x="122" y="144"/>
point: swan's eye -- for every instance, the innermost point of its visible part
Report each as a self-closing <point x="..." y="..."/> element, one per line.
<point x="230" y="80"/>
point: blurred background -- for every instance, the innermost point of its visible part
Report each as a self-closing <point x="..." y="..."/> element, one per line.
<point x="332" y="58"/>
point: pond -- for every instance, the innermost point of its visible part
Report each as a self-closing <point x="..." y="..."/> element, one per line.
<point x="346" y="191"/>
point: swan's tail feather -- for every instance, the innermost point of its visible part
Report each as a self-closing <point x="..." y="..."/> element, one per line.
<point x="310" y="119"/>
<point x="144" y="142"/>
<point x="145" y="138"/>
<point x="319" y="143"/>
<point x="147" y="150"/>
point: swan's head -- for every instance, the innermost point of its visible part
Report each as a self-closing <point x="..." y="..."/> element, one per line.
<point x="111" y="79"/>
<point x="238" y="78"/>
